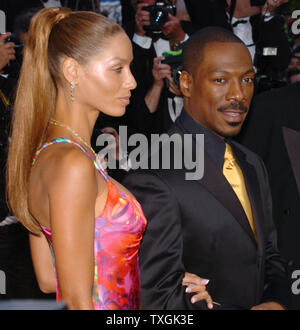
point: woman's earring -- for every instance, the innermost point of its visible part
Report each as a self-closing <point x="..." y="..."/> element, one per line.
<point x="73" y="84"/>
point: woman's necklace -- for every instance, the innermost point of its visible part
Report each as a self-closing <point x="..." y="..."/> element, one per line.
<point x="58" y="123"/>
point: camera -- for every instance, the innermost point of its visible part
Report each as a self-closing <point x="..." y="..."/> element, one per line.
<point x="159" y="15"/>
<point x="174" y="59"/>
<point x="257" y="2"/>
<point x="12" y="38"/>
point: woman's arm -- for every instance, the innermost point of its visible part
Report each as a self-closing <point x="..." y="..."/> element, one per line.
<point x="42" y="263"/>
<point x="72" y="196"/>
<point x="159" y="72"/>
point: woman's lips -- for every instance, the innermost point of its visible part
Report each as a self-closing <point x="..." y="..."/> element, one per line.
<point x="125" y="100"/>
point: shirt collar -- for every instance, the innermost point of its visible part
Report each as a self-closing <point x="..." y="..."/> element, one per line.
<point x="213" y="145"/>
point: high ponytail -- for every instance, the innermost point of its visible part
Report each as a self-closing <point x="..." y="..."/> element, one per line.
<point x="54" y="33"/>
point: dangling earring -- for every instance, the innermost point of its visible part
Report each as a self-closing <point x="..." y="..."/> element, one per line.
<point x="73" y="84"/>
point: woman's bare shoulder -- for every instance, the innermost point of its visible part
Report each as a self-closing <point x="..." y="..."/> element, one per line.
<point x="65" y="163"/>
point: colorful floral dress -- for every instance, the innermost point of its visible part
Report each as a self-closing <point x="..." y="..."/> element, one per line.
<point x="118" y="233"/>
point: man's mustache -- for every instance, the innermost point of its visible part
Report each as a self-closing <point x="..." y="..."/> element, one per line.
<point x="234" y="106"/>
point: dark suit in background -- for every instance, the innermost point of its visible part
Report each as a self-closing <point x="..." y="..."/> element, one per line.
<point x="206" y="13"/>
<point x="263" y="133"/>
<point x="15" y="258"/>
<point x="13" y="8"/>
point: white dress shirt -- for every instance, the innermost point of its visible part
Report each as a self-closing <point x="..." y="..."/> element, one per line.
<point x="175" y="105"/>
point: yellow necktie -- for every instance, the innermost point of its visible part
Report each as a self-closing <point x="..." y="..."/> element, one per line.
<point x="234" y="176"/>
<point x="4" y="99"/>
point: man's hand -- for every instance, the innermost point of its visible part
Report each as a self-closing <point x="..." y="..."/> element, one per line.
<point x="173" y="88"/>
<point x="271" y="5"/>
<point x="114" y="143"/>
<point x="243" y="8"/>
<point x="7" y="50"/>
<point x="142" y="18"/>
<point x="268" y="306"/>
<point x="160" y="71"/>
<point x="173" y="30"/>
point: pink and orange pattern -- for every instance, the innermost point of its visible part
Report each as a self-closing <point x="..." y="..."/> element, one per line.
<point x="118" y="233"/>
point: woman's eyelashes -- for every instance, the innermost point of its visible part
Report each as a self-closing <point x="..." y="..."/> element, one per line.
<point x="118" y="69"/>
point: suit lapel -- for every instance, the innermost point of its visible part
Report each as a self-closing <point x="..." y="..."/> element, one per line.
<point x="254" y="194"/>
<point x="215" y="182"/>
<point x="292" y="143"/>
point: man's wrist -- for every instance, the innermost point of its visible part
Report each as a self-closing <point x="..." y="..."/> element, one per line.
<point x="267" y="10"/>
<point x="158" y="85"/>
<point x="180" y="38"/>
<point x="178" y="42"/>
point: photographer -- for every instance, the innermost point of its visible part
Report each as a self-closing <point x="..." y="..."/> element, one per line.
<point x="7" y="84"/>
<point x="7" y="51"/>
<point x="271" y="47"/>
<point x="256" y="23"/>
<point x="156" y="102"/>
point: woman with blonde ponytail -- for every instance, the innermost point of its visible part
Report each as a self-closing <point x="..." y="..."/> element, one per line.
<point x="75" y="65"/>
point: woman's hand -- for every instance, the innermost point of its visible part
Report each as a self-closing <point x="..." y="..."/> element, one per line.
<point x="196" y="284"/>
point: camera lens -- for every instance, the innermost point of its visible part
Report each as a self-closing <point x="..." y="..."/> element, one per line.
<point x="159" y="15"/>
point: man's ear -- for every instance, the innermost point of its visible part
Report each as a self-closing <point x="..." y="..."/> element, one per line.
<point x="70" y="69"/>
<point x="185" y="83"/>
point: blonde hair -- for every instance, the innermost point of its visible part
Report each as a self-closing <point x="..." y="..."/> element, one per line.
<point x="54" y="33"/>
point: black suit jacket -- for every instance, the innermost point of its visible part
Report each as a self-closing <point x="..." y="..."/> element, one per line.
<point x="263" y="133"/>
<point x="13" y="8"/>
<point x="200" y="227"/>
<point x="206" y="13"/>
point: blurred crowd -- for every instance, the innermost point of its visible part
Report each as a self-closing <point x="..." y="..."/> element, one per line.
<point x="157" y="30"/>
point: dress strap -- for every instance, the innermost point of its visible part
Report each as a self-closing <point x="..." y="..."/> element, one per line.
<point x="66" y="140"/>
